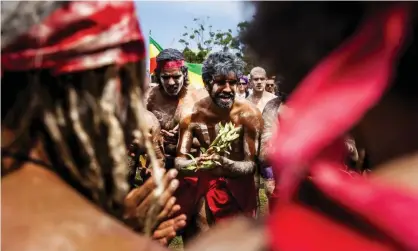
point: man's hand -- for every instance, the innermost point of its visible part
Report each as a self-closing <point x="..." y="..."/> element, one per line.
<point x="171" y="136"/>
<point x="167" y="229"/>
<point x="138" y="201"/>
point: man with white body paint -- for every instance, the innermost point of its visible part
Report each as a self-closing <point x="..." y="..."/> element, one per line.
<point x="227" y="189"/>
<point x="172" y="98"/>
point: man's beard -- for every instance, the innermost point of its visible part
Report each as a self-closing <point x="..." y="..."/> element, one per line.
<point x="224" y="100"/>
<point x="173" y="90"/>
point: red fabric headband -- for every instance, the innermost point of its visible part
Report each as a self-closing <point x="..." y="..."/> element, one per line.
<point x="171" y="64"/>
<point x="82" y="35"/>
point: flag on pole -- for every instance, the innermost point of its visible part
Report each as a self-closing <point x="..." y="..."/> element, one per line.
<point x="195" y="75"/>
<point x="154" y="50"/>
<point x="195" y="70"/>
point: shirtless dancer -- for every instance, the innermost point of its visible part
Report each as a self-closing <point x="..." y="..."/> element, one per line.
<point x="228" y="189"/>
<point x="270" y="118"/>
<point x="172" y="98"/>
<point x="259" y="97"/>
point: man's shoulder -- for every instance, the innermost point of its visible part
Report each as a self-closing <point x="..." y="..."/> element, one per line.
<point x="151" y="93"/>
<point x="273" y="104"/>
<point x="247" y="110"/>
<point x="269" y="95"/>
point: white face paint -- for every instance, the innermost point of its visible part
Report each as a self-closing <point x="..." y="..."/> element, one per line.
<point x="172" y="81"/>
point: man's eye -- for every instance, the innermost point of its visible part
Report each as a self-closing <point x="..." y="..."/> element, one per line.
<point x="167" y="77"/>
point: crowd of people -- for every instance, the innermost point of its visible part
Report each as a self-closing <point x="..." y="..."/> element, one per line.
<point x="87" y="140"/>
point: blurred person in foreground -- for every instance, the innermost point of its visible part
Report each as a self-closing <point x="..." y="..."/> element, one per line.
<point x="66" y="68"/>
<point x="356" y="75"/>
<point x="64" y="159"/>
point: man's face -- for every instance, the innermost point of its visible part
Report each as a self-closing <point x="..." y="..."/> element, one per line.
<point x="172" y="80"/>
<point x="242" y="86"/>
<point x="259" y="82"/>
<point x="270" y="86"/>
<point x="223" y="90"/>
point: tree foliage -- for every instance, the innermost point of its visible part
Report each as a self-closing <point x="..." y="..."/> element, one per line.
<point x="202" y="37"/>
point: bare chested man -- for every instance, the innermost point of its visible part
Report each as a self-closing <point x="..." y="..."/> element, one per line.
<point x="270" y="118"/>
<point x="228" y="189"/>
<point x="260" y="96"/>
<point x="172" y="98"/>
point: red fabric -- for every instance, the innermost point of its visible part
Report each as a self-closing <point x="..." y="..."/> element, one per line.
<point x="301" y="229"/>
<point x="79" y="36"/>
<point x="328" y="102"/>
<point x="225" y="197"/>
<point x="172" y="64"/>
<point x="152" y="64"/>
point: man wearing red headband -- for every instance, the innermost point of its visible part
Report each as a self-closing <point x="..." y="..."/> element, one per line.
<point x="172" y="98"/>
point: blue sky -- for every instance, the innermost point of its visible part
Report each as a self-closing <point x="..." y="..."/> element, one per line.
<point x="166" y="19"/>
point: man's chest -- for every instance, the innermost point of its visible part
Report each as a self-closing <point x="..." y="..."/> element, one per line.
<point x="167" y="114"/>
<point x="209" y="133"/>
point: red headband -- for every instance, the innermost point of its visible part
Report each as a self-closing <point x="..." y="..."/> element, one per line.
<point x="82" y="35"/>
<point x="170" y="64"/>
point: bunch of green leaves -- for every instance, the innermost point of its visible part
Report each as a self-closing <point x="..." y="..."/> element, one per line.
<point x="222" y="143"/>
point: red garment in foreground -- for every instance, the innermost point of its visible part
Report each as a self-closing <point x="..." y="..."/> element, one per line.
<point x="328" y="102"/>
<point x="225" y="197"/>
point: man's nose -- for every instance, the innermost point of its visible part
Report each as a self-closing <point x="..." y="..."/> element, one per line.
<point x="171" y="81"/>
<point x="227" y="88"/>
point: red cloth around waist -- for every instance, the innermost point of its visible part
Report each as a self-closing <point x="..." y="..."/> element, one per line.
<point x="225" y="197"/>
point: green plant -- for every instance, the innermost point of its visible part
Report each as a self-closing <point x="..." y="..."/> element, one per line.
<point x="222" y="143"/>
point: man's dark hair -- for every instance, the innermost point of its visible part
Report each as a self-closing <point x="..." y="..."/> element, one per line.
<point x="170" y="55"/>
<point x="221" y="63"/>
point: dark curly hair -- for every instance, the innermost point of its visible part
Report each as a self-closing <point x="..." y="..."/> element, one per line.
<point x="221" y="63"/>
<point x="170" y="55"/>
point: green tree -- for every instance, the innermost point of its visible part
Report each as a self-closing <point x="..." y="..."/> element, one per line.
<point x="201" y="36"/>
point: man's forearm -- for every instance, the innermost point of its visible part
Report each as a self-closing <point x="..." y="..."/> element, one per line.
<point x="180" y="163"/>
<point x="238" y="168"/>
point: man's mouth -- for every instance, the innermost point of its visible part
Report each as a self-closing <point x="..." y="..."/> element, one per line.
<point x="172" y="89"/>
